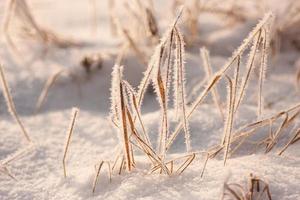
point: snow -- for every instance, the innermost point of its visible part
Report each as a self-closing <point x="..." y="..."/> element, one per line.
<point x="39" y="172"/>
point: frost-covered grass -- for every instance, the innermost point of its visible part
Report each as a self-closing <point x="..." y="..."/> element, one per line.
<point x="158" y="119"/>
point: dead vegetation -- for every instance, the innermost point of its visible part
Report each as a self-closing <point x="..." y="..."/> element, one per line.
<point x="19" y="16"/>
<point x="4" y="164"/>
<point x="257" y="189"/>
<point x="127" y="103"/>
<point x="90" y="63"/>
<point x="230" y="12"/>
<point x="13" y="112"/>
<point x="98" y="169"/>
<point x="165" y="72"/>
<point x="143" y="33"/>
<point x="258" y="40"/>
<point x="287" y="27"/>
<point x="294" y="139"/>
<point x="10" y="104"/>
<point x="283" y="120"/>
<point x="75" y="112"/>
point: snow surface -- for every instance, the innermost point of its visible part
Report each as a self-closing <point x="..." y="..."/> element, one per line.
<point x="39" y="172"/>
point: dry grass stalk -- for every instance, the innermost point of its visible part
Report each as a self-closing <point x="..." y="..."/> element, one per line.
<point x="10" y="104"/>
<point x="89" y="63"/>
<point x="262" y="37"/>
<point x="4" y="170"/>
<point x="3" y="163"/>
<point x="97" y="176"/>
<point x="96" y="179"/>
<point x="229" y="119"/>
<point x="248" y="130"/>
<point x="232" y="92"/>
<point x="273" y="137"/>
<point x="287" y="27"/>
<point x="124" y="128"/>
<point x="204" y="165"/>
<point x="160" y="51"/>
<point x="180" y="101"/>
<point x="229" y="11"/>
<point x="75" y="112"/>
<point x="187" y="160"/>
<point x="118" y="110"/>
<point x="159" y="72"/>
<point x="143" y="13"/>
<point x="148" y="150"/>
<point x="186" y="163"/>
<point x="18" y="154"/>
<point x="143" y="31"/>
<point x="293" y="140"/>
<point x="49" y="83"/>
<point x="122" y="166"/>
<point x="256" y="190"/>
<point x="263" y="67"/>
<point x="20" y="11"/>
<point x="250" y="66"/>
<point x="252" y="38"/>
<point x="209" y="74"/>
<point x="266" y="121"/>
<point x="118" y="155"/>
<point x="132" y="95"/>
<point x="126" y="103"/>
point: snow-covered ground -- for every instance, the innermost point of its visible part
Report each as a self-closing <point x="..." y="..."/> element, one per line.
<point x="39" y="172"/>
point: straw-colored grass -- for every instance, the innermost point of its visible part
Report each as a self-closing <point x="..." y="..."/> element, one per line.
<point x="256" y="189"/>
<point x="19" y="11"/>
<point x="49" y="83"/>
<point x="5" y="162"/>
<point x="208" y="71"/>
<point x="10" y="104"/>
<point x="96" y="179"/>
<point x="75" y="112"/>
<point x="253" y="37"/>
<point x="126" y="106"/>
